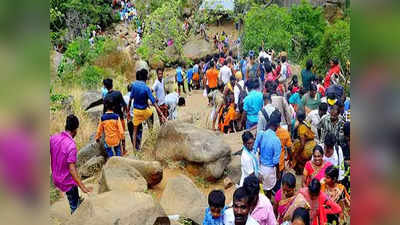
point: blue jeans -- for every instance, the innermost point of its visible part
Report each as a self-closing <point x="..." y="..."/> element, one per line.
<point x="250" y="124"/>
<point x="73" y="198"/>
<point x="110" y="150"/>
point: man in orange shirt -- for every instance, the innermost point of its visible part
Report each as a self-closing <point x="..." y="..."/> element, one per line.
<point x="212" y="78"/>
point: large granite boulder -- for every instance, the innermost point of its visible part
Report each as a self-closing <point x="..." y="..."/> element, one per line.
<point x="91" y="150"/>
<point x="92" y="166"/>
<point x="115" y="207"/>
<point x="156" y="62"/>
<point x="182" y="197"/>
<point x="182" y="141"/>
<point x="119" y="177"/>
<point x="152" y="171"/>
<point x="88" y="97"/>
<point x="196" y="49"/>
<point x="234" y="169"/>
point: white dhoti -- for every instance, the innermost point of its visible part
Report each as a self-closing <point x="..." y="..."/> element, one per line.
<point x="268" y="177"/>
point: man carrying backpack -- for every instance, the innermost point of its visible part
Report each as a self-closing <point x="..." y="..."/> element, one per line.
<point x="239" y="92"/>
<point x="264" y="114"/>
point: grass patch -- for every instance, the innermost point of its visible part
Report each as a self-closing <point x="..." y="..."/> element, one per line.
<point x="200" y="181"/>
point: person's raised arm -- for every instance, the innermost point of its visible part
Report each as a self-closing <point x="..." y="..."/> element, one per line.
<point x="94" y="104"/>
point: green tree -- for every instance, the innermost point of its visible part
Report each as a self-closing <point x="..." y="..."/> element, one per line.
<point x="161" y="25"/>
<point x="308" y="29"/>
<point x="271" y="25"/>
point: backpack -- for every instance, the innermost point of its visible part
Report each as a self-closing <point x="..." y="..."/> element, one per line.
<point x="265" y="114"/>
<point x="242" y="95"/>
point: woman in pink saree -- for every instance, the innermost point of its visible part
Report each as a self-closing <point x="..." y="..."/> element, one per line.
<point x="315" y="168"/>
<point x="285" y="197"/>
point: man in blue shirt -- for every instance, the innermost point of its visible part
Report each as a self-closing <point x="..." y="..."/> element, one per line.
<point x="269" y="147"/>
<point x="189" y="76"/>
<point x="252" y="104"/>
<point x="179" y="79"/>
<point x="141" y="94"/>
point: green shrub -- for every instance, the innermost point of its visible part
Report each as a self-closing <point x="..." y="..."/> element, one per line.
<point x="335" y="43"/>
<point x="162" y="24"/>
<point x="91" y="76"/>
<point x="308" y="29"/>
<point x="271" y="25"/>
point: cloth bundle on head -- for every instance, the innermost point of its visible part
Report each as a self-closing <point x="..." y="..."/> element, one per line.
<point x="238" y="76"/>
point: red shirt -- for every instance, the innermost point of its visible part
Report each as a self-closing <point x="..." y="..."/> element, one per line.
<point x="333" y="70"/>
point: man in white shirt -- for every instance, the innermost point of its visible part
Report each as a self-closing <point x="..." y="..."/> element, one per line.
<point x="158" y="88"/>
<point x="314" y="117"/>
<point x="239" y="213"/>
<point x="172" y="100"/>
<point x="225" y="73"/>
<point x="334" y="154"/>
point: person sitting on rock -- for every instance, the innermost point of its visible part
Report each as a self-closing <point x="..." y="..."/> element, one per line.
<point x="215" y="211"/>
<point x="111" y="126"/>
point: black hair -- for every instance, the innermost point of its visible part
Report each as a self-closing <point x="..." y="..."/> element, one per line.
<point x="181" y="101"/>
<point x="323" y="107"/>
<point x="141" y="75"/>
<point x="108" y="83"/>
<point x="318" y="148"/>
<point x="108" y="103"/>
<point x="332" y="172"/>
<point x="314" y="187"/>
<point x="225" y="62"/>
<point x="283" y="58"/>
<point x="253" y="84"/>
<point x="303" y="214"/>
<point x="212" y="63"/>
<point x="330" y="140"/>
<point x="289" y="179"/>
<point x="232" y="78"/>
<point x="240" y="193"/>
<point x="339" y="103"/>
<point x="313" y="87"/>
<point x="72" y="123"/>
<point x="216" y="199"/>
<point x="295" y="79"/>
<point x="309" y="64"/>
<point x="261" y="59"/>
<point x="260" y="48"/>
<point x="129" y="87"/>
<point x="335" y="60"/>
<point x="301" y="116"/>
<point x="268" y="67"/>
<point x="252" y="187"/>
<point x="230" y="53"/>
<point x="246" y="136"/>
<point x="229" y="60"/>
<point x="267" y="96"/>
<point x="320" y="79"/>
<point x="160" y="69"/>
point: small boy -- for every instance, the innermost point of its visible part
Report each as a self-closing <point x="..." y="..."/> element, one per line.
<point x="215" y="212"/>
<point x="111" y="126"/>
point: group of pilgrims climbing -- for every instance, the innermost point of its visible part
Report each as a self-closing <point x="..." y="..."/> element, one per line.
<point x="289" y="128"/>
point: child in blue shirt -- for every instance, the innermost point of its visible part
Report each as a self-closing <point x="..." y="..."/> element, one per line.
<point x="215" y="212"/>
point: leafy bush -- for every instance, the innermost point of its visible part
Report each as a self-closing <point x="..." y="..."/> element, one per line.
<point x="335" y="43"/>
<point x="308" y="28"/>
<point x="81" y="52"/>
<point x="162" y="25"/>
<point x="91" y="76"/>
<point x="69" y="18"/>
<point x="271" y="25"/>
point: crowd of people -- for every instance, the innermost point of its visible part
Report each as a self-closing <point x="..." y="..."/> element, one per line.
<point x="300" y="129"/>
<point x="288" y="129"/>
